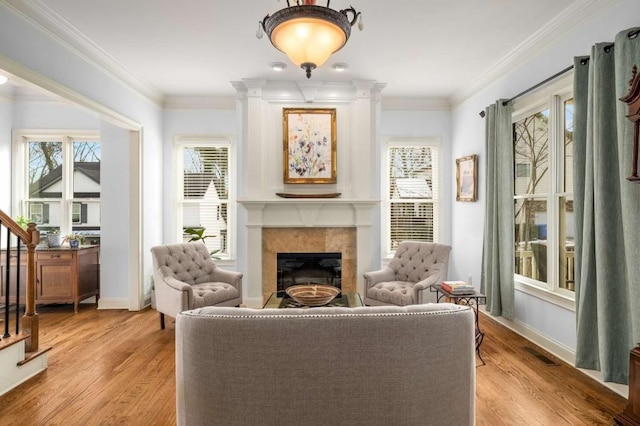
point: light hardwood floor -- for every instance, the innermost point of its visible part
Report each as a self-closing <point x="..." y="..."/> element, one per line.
<point x="117" y="367"/>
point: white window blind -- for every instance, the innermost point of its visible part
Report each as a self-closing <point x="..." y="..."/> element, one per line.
<point x="204" y="193"/>
<point x="412" y="193"/>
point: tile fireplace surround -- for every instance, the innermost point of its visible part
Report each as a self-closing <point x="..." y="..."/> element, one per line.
<point x="307" y="225"/>
<point x="308" y="240"/>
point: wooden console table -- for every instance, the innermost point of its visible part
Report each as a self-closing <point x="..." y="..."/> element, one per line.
<point x="63" y="275"/>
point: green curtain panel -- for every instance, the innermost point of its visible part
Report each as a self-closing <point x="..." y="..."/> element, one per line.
<point x="607" y="211"/>
<point x="498" y="252"/>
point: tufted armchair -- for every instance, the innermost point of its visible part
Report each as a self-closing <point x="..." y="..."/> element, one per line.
<point x="406" y="280"/>
<point x="185" y="277"/>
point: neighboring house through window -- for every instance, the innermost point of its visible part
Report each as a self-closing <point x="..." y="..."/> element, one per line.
<point x="543" y="198"/>
<point x="410" y="192"/>
<point x="206" y="191"/>
<point x="57" y="182"/>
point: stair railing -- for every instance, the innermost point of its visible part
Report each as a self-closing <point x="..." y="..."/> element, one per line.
<point x="30" y="238"/>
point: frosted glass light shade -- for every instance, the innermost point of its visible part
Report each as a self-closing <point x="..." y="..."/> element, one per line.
<point x="308" y="40"/>
<point x="307" y="33"/>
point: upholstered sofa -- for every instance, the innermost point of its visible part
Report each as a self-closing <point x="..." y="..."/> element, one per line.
<point x="378" y="365"/>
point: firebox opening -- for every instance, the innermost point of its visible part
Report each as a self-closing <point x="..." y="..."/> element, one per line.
<point x="309" y="268"/>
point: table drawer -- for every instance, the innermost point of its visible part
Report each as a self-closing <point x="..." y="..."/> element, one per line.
<point x="58" y="255"/>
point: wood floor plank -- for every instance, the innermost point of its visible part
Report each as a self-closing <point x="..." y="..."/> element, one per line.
<point x="118" y="367"/>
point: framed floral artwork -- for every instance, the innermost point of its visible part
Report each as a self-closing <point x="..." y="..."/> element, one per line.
<point x="309" y="145"/>
<point x="467" y="178"/>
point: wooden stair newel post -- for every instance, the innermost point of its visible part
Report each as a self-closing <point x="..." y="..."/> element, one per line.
<point x="30" y="321"/>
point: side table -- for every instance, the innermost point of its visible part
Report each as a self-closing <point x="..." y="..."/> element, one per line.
<point x="473" y="300"/>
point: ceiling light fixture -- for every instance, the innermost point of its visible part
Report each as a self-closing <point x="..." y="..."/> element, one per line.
<point x="309" y="33"/>
<point x="340" y="66"/>
<point x="278" y="66"/>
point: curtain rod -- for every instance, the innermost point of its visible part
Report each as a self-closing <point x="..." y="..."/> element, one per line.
<point x="631" y="35"/>
<point x="546" y="80"/>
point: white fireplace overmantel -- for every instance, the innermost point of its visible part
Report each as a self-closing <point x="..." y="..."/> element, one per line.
<point x="306" y="213"/>
<point x="309" y="212"/>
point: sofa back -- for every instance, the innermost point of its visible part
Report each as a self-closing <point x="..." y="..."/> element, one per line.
<point x="382" y="365"/>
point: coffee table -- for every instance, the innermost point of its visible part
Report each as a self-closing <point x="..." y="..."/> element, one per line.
<point x="280" y="299"/>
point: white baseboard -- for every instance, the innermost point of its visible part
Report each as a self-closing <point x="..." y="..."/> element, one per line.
<point x="106" y="303"/>
<point x="557" y="349"/>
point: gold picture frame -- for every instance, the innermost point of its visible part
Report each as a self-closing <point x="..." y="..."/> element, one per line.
<point x="467" y="178"/>
<point x="309" y="145"/>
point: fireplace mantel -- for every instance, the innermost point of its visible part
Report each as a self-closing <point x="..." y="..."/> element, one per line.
<point x="301" y="213"/>
<point x="306" y="212"/>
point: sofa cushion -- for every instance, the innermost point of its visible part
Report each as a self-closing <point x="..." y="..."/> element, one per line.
<point x="397" y="292"/>
<point x="207" y="294"/>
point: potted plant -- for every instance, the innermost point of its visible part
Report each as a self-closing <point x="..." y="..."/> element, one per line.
<point x="53" y="238"/>
<point x="198" y="234"/>
<point x="74" y="240"/>
<point x="23" y="222"/>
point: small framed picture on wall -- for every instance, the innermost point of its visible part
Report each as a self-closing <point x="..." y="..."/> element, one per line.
<point x="467" y="178"/>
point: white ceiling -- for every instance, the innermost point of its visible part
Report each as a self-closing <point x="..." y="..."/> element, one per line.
<point x="419" y="48"/>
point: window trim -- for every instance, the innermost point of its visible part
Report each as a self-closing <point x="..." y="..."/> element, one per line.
<point x="551" y="96"/>
<point x="20" y="196"/>
<point x="185" y="140"/>
<point x="385" y="228"/>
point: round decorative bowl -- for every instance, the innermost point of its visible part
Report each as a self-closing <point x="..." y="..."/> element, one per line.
<point x="312" y="294"/>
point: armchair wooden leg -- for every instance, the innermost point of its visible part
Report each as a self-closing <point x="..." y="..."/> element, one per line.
<point x="161" y="320"/>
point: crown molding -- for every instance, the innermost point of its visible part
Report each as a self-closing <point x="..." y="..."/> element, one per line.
<point x="64" y="92"/>
<point x="415" y="104"/>
<point x="298" y="92"/>
<point x="575" y="14"/>
<point x="292" y="91"/>
<point x="59" y="29"/>
<point x="200" y="102"/>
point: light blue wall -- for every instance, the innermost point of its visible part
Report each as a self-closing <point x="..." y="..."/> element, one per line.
<point x="407" y="124"/>
<point x="461" y="133"/>
<point x="31" y="52"/>
<point x="552" y="321"/>
<point x="426" y="124"/>
<point x="52" y="115"/>
<point x="197" y="122"/>
<point x="6" y="115"/>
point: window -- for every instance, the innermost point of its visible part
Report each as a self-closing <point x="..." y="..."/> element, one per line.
<point x="543" y="193"/>
<point x="523" y="170"/>
<point x="79" y="213"/>
<point x="58" y="183"/>
<point x="205" y="192"/>
<point x="411" y="203"/>
<point x="36" y="213"/>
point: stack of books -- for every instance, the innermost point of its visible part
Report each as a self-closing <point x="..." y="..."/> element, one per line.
<point x="458" y="287"/>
